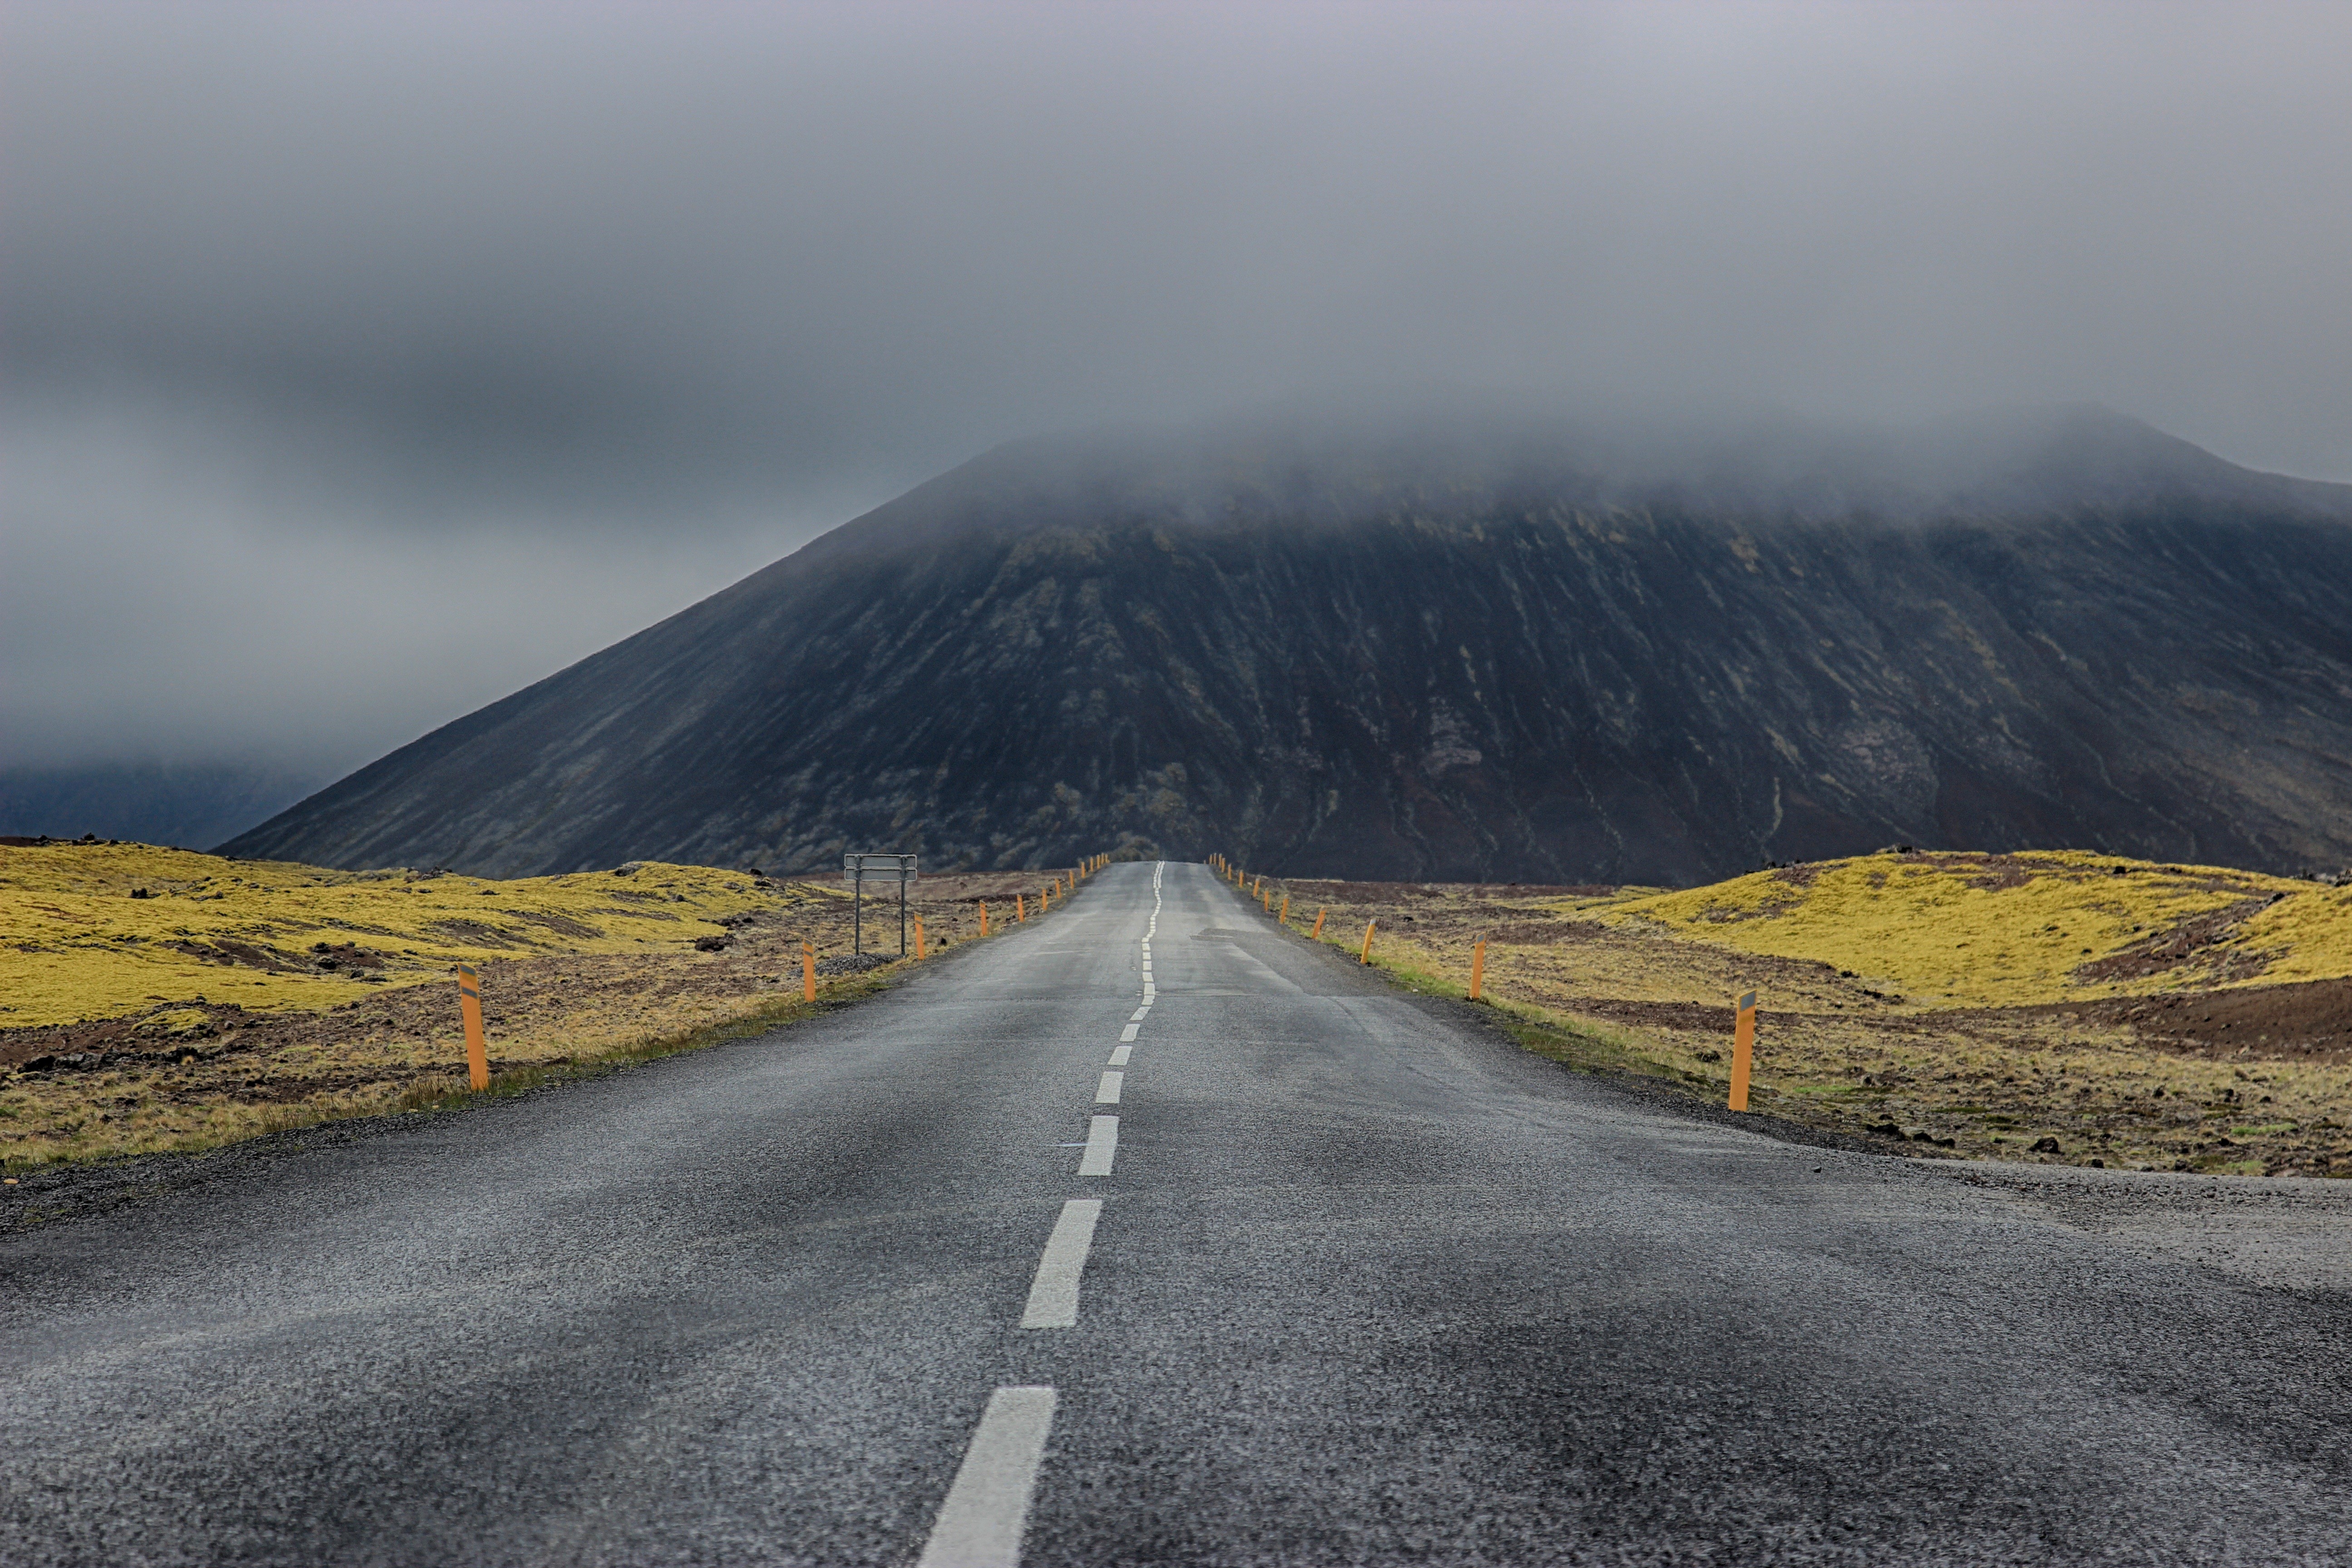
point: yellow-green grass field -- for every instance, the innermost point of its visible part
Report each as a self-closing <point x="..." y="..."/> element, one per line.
<point x="155" y="1000"/>
<point x="2046" y="1006"/>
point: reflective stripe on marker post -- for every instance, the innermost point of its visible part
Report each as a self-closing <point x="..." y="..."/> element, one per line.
<point x="1743" y="1051"/>
<point x="469" y="1007"/>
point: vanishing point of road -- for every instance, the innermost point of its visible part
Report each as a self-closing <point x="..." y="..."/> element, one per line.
<point x="1148" y="1234"/>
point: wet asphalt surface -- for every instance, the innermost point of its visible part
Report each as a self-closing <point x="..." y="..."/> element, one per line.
<point x="1369" y="1285"/>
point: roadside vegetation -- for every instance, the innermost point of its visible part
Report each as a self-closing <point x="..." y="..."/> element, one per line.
<point x="2060" y="1007"/>
<point x="158" y="1000"/>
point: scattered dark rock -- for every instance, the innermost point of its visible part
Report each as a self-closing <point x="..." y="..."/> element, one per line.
<point x="2046" y="1146"/>
<point x="141" y="893"/>
<point x="854" y="964"/>
<point x="711" y="944"/>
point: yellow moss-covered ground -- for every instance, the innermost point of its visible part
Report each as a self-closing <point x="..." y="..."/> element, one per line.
<point x="237" y="998"/>
<point x="76" y="940"/>
<point x="2016" y="929"/>
<point x="2057" y="1006"/>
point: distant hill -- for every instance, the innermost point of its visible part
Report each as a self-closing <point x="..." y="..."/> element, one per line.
<point x="1471" y="647"/>
<point x="192" y="805"/>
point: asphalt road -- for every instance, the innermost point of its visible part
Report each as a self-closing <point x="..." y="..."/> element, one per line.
<point x="1363" y="1284"/>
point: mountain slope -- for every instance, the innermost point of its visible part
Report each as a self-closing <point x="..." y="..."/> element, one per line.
<point x="1490" y="649"/>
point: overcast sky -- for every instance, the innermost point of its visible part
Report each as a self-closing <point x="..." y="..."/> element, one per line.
<point x="358" y="364"/>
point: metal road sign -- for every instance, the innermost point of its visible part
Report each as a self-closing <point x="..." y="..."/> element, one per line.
<point x="857" y="869"/>
<point x="885" y="867"/>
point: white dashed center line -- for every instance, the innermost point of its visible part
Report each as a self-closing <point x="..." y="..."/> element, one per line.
<point x="1118" y="1056"/>
<point x="1139" y="1012"/>
<point x="979" y="1524"/>
<point x="1102" y="1146"/>
<point x="1053" y="1296"/>
<point x="1128" y="1033"/>
<point x="1106" y="1091"/>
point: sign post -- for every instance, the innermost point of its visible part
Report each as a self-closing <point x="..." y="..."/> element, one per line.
<point x="469" y="1009"/>
<point x="1743" y="1050"/>
<point x="858" y="869"/>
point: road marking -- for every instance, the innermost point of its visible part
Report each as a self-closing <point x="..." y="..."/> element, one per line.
<point x="1128" y="1033"/>
<point x="1149" y="993"/>
<point x="1102" y="1146"/>
<point x="1106" y="1091"/>
<point x="987" y="1509"/>
<point x="1118" y="1056"/>
<point x="1139" y="1012"/>
<point x="1053" y="1295"/>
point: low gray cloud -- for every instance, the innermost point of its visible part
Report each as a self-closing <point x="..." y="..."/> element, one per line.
<point x="366" y="362"/>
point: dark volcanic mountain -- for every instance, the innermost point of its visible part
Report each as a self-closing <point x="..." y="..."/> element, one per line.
<point x="1491" y="649"/>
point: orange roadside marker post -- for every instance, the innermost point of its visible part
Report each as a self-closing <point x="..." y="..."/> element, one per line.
<point x="918" y="938"/>
<point x="469" y="1007"/>
<point x="808" y="973"/>
<point x="1367" y="958"/>
<point x="1316" y="934"/>
<point x="1046" y="901"/>
<point x="1477" y="968"/>
<point x="1021" y="909"/>
<point x="1285" y="908"/>
<point x="983" y="917"/>
<point x="1743" y="1051"/>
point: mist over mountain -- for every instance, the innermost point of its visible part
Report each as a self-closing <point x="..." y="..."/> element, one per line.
<point x="185" y="803"/>
<point x="1483" y="645"/>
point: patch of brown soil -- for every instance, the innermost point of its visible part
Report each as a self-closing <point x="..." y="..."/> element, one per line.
<point x="229" y="950"/>
<point x="562" y="925"/>
<point x="2308" y="1022"/>
<point x="1694" y="1017"/>
<point x="473" y="933"/>
<point x="2184" y="943"/>
<point x="1532" y="933"/>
